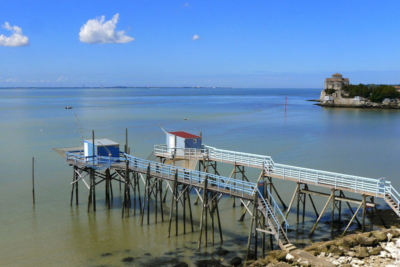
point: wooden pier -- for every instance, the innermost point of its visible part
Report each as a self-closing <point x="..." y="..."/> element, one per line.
<point x="267" y="217"/>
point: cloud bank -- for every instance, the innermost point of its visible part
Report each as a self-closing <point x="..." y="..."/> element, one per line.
<point x="16" y="38"/>
<point x="195" y="37"/>
<point x="99" y="31"/>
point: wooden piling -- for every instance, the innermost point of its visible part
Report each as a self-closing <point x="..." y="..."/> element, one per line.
<point x="93" y="174"/>
<point x="354" y="216"/>
<point x="251" y="226"/>
<point x="202" y="212"/>
<point x="190" y="209"/>
<point x="73" y="184"/>
<point x="33" y="181"/>
<point x="296" y="191"/>
<point x="76" y="187"/>
<point x="172" y="203"/>
<point x="90" y="190"/>
<point x="184" y="209"/>
<point x="161" y="203"/>
<point x="176" y="208"/>
<point x="322" y="212"/>
<point x="333" y="211"/>
<point x="363" y="213"/>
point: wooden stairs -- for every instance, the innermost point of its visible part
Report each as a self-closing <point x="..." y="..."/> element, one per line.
<point x="272" y="220"/>
<point x="392" y="203"/>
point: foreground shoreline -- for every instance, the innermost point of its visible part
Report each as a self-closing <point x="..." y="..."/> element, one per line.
<point x="375" y="248"/>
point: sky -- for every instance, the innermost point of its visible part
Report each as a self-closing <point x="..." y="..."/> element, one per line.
<point x="250" y="44"/>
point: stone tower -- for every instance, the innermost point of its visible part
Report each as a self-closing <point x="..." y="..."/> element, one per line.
<point x="336" y="82"/>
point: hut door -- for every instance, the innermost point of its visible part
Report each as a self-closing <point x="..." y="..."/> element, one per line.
<point x="171" y="143"/>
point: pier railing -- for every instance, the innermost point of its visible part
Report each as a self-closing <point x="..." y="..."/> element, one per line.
<point x="352" y="183"/>
<point x="92" y="161"/>
<point x="357" y="184"/>
<point x="392" y="194"/>
<point x="172" y="152"/>
<point x="240" y="158"/>
<point x="215" y="154"/>
<point x="219" y="183"/>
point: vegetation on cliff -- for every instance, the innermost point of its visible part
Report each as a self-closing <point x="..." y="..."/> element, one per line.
<point x="375" y="93"/>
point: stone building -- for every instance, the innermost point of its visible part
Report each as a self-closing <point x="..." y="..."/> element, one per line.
<point x="336" y="82"/>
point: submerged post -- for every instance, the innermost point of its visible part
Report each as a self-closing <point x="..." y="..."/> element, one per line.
<point x="93" y="176"/>
<point x="33" y="179"/>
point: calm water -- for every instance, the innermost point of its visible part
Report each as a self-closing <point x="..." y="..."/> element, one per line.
<point x="33" y="121"/>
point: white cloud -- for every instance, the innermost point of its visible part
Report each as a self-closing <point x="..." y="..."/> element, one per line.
<point x="11" y="80"/>
<point x="61" y="79"/>
<point x="186" y="5"/>
<point x="16" y="38"/>
<point x="195" y="37"/>
<point x="99" y="31"/>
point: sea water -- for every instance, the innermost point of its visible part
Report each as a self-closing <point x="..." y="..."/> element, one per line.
<point x="361" y="142"/>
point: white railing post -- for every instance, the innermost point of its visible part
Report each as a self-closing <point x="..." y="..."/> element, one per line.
<point x="356" y="185"/>
<point x="335" y="181"/>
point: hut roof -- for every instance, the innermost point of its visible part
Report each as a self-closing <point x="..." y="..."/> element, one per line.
<point x="185" y="135"/>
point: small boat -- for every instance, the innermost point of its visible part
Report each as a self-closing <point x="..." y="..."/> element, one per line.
<point x="68" y="107"/>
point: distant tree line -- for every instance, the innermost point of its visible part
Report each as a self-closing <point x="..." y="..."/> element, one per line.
<point x="375" y="93"/>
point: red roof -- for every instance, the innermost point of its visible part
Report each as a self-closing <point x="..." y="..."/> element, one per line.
<point x="184" y="135"/>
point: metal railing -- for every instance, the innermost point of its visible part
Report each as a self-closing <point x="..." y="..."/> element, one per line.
<point x="185" y="153"/>
<point x="393" y="194"/>
<point x="222" y="184"/>
<point x="273" y="213"/>
<point x="357" y="184"/>
<point x="215" y="154"/>
<point x="352" y="183"/>
<point x="92" y="161"/>
<point x="245" y="159"/>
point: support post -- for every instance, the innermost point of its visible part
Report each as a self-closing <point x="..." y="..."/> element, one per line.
<point x="296" y="191"/>
<point x="76" y="188"/>
<point x="354" y="216"/>
<point x="33" y="182"/>
<point x="333" y="212"/>
<point x="251" y="226"/>
<point x="203" y="211"/>
<point x="322" y="212"/>
<point x="363" y="213"/>
<point x="172" y="204"/>
<point x="377" y="212"/>
<point x="93" y="175"/>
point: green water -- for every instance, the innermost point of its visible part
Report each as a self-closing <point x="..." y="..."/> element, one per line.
<point x="33" y="121"/>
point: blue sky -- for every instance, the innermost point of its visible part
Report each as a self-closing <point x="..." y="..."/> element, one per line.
<point x="263" y="44"/>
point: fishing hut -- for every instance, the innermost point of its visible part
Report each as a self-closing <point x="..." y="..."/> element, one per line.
<point x="209" y="186"/>
<point x="102" y="148"/>
<point x="179" y="142"/>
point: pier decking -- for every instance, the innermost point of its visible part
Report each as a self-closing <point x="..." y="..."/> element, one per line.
<point x="211" y="184"/>
<point x="266" y="215"/>
<point x="337" y="181"/>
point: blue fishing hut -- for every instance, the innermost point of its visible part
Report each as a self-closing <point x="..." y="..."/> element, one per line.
<point x="102" y="147"/>
<point x="182" y="140"/>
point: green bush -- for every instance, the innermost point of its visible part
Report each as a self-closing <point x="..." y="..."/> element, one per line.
<point x="329" y="91"/>
<point x="381" y="92"/>
<point x="357" y="90"/>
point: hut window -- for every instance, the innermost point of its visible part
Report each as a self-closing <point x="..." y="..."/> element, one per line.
<point x="194" y="141"/>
